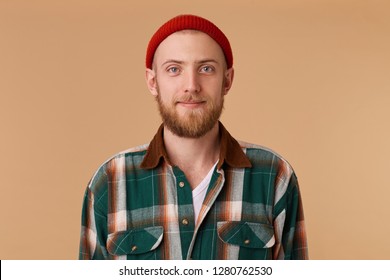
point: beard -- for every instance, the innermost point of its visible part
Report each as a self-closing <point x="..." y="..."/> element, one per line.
<point x="194" y="123"/>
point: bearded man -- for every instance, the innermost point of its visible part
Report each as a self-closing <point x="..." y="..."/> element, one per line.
<point x="193" y="192"/>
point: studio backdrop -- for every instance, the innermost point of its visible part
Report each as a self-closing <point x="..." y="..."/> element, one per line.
<point x="312" y="82"/>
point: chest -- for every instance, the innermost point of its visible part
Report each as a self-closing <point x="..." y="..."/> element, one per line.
<point x="159" y="206"/>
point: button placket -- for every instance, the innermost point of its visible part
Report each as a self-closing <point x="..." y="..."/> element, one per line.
<point x="184" y="204"/>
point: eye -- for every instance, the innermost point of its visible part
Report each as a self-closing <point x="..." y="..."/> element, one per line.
<point x="173" y="70"/>
<point x="207" y="69"/>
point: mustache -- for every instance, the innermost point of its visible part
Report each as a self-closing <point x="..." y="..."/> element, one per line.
<point x="189" y="98"/>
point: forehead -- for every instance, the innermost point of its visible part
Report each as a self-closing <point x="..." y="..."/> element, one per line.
<point x="188" y="46"/>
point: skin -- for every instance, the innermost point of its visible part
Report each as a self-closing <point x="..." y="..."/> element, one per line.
<point x="189" y="78"/>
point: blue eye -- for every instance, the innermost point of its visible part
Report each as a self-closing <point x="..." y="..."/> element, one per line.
<point x="173" y="69"/>
<point x="207" y="69"/>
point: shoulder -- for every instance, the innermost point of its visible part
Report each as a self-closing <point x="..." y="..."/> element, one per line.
<point x="263" y="157"/>
<point x="117" y="164"/>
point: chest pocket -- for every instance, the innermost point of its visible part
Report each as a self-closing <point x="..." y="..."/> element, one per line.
<point x="135" y="241"/>
<point x="246" y="234"/>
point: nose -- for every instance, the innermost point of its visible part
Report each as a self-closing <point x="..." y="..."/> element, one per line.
<point x="192" y="82"/>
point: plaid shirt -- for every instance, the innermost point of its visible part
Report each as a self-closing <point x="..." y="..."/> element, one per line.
<point x="138" y="206"/>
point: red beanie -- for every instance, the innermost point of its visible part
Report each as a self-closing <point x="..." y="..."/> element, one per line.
<point x="183" y="22"/>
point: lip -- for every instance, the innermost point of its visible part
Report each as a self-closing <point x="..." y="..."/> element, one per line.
<point x="191" y="104"/>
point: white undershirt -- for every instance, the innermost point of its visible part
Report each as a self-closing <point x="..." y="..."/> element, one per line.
<point x="199" y="193"/>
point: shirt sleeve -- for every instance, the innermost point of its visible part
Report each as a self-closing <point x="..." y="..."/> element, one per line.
<point x="290" y="225"/>
<point x="94" y="221"/>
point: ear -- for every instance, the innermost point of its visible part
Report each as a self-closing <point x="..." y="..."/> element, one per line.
<point x="151" y="81"/>
<point x="228" y="80"/>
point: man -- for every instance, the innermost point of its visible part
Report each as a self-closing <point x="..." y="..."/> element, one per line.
<point x="193" y="192"/>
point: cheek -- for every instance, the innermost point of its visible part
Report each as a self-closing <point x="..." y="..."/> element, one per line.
<point x="166" y="97"/>
<point x="216" y="88"/>
<point x="213" y="83"/>
<point x="169" y="86"/>
<point x="163" y="89"/>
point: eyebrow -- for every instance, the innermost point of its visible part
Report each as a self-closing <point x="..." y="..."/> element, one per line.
<point x="207" y="60"/>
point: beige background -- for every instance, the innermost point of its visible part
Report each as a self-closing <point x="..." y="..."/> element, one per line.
<point x="312" y="83"/>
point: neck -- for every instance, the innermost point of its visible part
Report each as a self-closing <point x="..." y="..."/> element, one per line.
<point x="193" y="153"/>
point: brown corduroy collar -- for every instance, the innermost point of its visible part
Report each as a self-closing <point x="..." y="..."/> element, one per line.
<point x="231" y="153"/>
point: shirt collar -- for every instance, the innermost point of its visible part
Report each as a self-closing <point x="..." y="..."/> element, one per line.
<point x="231" y="152"/>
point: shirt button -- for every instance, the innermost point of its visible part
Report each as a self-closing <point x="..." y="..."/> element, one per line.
<point x="184" y="222"/>
<point x="247" y="241"/>
<point x="134" y="248"/>
<point x="181" y="184"/>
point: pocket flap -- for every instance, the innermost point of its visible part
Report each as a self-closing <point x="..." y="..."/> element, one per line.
<point x="134" y="241"/>
<point x="246" y="234"/>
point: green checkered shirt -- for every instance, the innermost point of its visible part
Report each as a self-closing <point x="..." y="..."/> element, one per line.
<point x="138" y="206"/>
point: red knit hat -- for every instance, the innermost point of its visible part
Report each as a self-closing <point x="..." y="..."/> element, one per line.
<point x="183" y="22"/>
